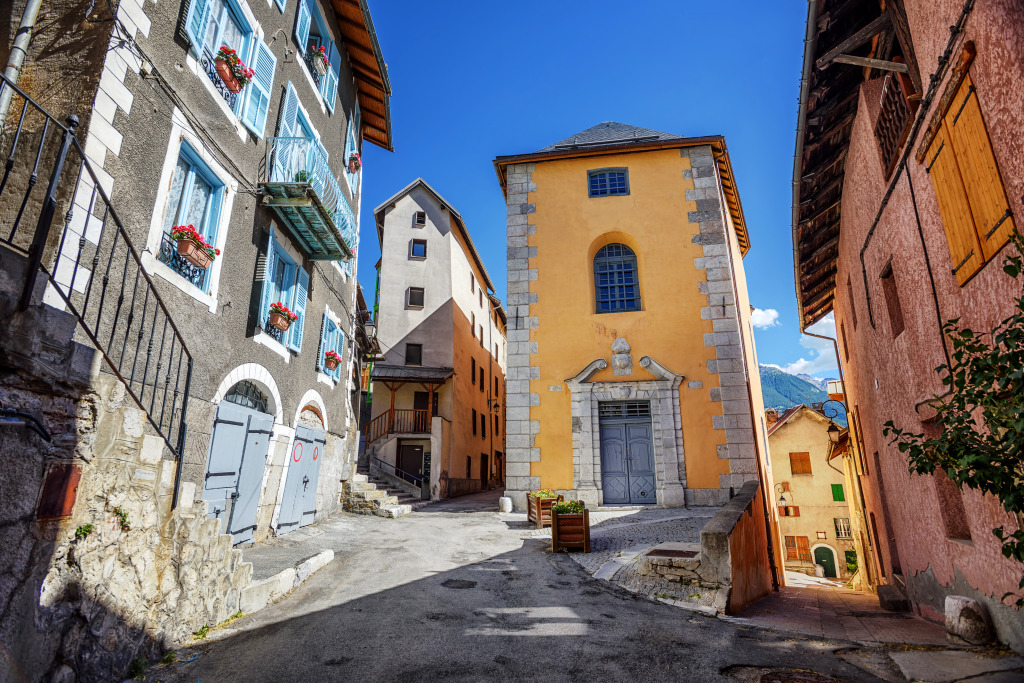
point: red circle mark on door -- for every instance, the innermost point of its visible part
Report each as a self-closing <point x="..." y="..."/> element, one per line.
<point x="297" y="451"/>
<point x="316" y="452"/>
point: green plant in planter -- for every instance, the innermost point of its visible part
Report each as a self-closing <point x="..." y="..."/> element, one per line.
<point x="303" y="177"/>
<point x="569" y="507"/>
<point x="543" y="493"/>
<point x="83" y="531"/>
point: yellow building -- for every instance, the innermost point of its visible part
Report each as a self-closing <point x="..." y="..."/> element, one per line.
<point x="632" y="377"/>
<point x="811" y="493"/>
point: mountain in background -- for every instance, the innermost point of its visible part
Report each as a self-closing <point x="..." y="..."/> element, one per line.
<point x="820" y="383"/>
<point x="782" y="390"/>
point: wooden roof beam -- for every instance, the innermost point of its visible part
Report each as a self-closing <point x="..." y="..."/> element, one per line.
<point x="862" y="36"/>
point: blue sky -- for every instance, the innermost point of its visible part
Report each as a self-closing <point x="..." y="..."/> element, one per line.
<point x="475" y="80"/>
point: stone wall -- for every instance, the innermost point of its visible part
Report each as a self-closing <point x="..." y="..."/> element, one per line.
<point x="84" y="607"/>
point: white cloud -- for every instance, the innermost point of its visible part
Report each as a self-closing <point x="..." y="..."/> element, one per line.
<point x="821" y="358"/>
<point x="763" y="318"/>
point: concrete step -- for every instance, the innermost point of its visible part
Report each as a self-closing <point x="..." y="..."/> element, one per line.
<point x="359" y="478"/>
<point x="393" y="511"/>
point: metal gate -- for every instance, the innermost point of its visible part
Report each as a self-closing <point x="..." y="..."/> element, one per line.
<point x="234" y="470"/>
<point x="627" y="452"/>
<point x="298" y="505"/>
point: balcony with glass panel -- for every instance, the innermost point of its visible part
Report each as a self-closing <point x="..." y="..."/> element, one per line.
<point x="303" y="191"/>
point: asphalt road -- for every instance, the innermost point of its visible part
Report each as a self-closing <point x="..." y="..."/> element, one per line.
<point x="452" y="592"/>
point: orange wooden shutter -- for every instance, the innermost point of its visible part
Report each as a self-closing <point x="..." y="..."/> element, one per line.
<point x="791" y="552"/>
<point x="984" y="186"/>
<point x="800" y="463"/>
<point x="957" y="220"/>
<point x="804" y="548"/>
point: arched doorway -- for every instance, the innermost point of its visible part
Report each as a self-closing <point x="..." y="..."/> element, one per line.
<point x="238" y="454"/>
<point x="298" y="497"/>
<point x="826" y="557"/>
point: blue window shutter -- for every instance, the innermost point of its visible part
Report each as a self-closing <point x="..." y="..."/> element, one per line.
<point x="301" y="290"/>
<point x="195" y="23"/>
<point x="284" y="153"/>
<point x="329" y="88"/>
<point x="302" y="27"/>
<point x="324" y="343"/>
<point x="339" y="346"/>
<point x="267" y="297"/>
<point x="257" y="99"/>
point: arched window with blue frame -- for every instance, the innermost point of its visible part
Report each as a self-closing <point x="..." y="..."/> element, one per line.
<point x="616" y="280"/>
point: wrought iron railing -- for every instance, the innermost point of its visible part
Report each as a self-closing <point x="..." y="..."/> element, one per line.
<point x="208" y="63"/>
<point x="93" y="269"/>
<point x="169" y="256"/>
<point x="304" y="160"/>
<point x="311" y="58"/>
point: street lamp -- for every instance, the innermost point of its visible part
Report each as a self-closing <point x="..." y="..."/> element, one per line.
<point x="833" y="432"/>
<point x="779" y="489"/>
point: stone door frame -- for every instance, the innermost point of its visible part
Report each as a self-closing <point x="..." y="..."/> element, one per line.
<point x="667" y="441"/>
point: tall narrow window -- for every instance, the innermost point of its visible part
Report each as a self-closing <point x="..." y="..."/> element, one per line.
<point x="474" y="421"/>
<point x="616" y="282"/>
<point x="853" y="306"/>
<point x="483" y="425"/>
<point x="472" y="370"/>
<point x="481" y="378"/>
<point x="892" y="300"/>
<point x="951" y="507"/>
<point x="472" y="324"/>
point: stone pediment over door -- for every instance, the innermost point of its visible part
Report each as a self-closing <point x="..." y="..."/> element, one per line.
<point x="663" y="394"/>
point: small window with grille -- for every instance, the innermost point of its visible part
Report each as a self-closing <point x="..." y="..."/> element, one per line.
<point x="246" y="394"/>
<point x="624" y="409"/>
<point x="604" y="182"/>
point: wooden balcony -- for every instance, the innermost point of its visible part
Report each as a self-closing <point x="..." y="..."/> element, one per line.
<point x="398" y="421"/>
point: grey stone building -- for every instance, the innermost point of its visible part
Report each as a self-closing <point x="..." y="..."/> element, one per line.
<point x="156" y="412"/>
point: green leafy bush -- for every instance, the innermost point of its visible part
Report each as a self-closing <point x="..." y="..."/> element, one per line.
<point x="84" y="531"/>
<point x="978" y="439"/>
<point x="543" y="493"/>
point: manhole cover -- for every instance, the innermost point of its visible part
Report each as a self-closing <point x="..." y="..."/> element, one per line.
<point x="672" y="553"/>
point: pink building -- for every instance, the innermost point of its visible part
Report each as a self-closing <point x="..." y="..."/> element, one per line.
<point x="908" y="182"/>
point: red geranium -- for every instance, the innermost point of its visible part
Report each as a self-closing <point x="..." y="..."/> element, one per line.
<point x="283" y="310"/>
<point x="332" y="354"/>
<point x="238" y="67"/>
<point x="189" y="232"/>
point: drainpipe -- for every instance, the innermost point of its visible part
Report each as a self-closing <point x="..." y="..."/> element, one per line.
<point x="19" y="50"/>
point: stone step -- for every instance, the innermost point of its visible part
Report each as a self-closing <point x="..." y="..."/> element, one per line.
<point x="359" y="478"/>
<point x="362" y="486"/>
<point x="372" y="494"/>
<point x="393" y="511"/>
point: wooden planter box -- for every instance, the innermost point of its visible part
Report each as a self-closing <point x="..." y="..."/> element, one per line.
<point x="228" y="76"/>
<point x="280" y="321"/>
<point x="538" y="510"/>
<point x="331" y="363"/>
<point x="570" y="530"/>
<point x="194" y="254"/>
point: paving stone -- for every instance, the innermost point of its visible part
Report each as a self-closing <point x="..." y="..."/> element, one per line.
<point x="945" y="667"/>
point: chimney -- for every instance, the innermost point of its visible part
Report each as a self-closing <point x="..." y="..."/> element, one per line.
<point x="771" y="416"/>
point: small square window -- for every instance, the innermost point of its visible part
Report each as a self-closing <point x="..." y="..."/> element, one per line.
<point x="605" y="182"/>
<point x="822" y="534"/>
<point x="419" y="219"/>
<point x="414" y="354"/>
<point x="418" y="249"/>
<point x="415" y="297"/>
<point x="800" y="463"/>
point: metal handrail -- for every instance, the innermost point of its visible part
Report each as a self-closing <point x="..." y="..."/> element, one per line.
<point x="96" y="271"/>
<point x="398" y="420"/>
<point x="407" y="476"/>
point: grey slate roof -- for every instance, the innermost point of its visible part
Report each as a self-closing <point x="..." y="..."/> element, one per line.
<point x="411" y="372"/>
<point x="609" y="133"/>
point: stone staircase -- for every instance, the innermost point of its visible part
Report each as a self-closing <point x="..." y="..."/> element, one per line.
<point x="362" y="497"/>
<point x="404" y="497"/>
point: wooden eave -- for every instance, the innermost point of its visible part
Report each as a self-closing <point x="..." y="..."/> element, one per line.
<point x="828" y="107"/>
<point x="717" y="143"/>
<point x="371" y="73"/>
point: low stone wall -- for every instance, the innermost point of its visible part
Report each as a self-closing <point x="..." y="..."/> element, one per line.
<point x="734" y="549"/>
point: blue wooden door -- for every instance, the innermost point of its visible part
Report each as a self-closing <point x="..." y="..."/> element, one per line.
<point x="627" y="453"/>
<point x="614" y="471"/>
<point x="298" y="505"/>
<point x="234" y="470"/>
<point x="640" y="460"/>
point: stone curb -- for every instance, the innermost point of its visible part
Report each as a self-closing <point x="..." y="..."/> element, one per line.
<point x="259" y="594"/>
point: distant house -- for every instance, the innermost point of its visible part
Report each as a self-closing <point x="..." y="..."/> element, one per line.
<point x="907" y="185"/>
<point x="811" y="492"/>
<point x="439" y="393"/>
